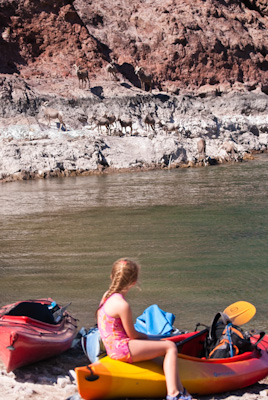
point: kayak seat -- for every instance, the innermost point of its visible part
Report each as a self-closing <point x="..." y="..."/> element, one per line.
<point x="33" y="310"/>
<point x="193" y="345"/>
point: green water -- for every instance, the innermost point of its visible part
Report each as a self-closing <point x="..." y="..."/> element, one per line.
<point x="200" y="236"/>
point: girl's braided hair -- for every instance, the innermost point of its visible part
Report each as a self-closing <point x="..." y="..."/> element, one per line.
<point x="124" y="273"/>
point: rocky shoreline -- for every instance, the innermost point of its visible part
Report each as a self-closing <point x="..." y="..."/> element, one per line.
<point x="31" y="147"/>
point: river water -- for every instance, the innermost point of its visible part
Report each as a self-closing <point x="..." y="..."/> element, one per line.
<point x="200" y="236"/>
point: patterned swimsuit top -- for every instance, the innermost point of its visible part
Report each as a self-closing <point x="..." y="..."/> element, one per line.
<point x="113" y="334"/>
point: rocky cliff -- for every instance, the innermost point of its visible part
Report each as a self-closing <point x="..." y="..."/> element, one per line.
<point x="208" y="61"/>
<point x="184" y="44"/>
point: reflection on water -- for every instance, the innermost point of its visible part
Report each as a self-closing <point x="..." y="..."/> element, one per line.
<point x="235" y="183"/>
<point x="199" y="234"/>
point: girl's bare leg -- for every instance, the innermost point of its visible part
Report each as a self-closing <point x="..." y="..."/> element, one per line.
<point x="142" y="350"/>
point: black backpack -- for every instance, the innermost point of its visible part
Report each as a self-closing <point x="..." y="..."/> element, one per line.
<point x="225" y="339"/>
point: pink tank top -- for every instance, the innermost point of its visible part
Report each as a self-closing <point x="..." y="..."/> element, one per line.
<point x="113" y="335"/>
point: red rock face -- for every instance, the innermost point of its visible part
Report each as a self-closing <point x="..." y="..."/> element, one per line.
<point x="183" y="43"/>
<point x="45" y="39"/>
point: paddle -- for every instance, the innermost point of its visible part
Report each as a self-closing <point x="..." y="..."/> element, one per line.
<point x="240" y="312"/>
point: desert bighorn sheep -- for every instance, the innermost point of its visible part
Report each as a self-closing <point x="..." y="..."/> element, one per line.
<point x="144" y="78"/>
<point x="201" y="148"/>
<point x="111" y="118"/>
<point x="149" y="122"/>
<point x="125" y="123"/>
<point x="168" y="126"/>
<point x="104" y="121"/>
<point x="82" y="76"/>
<point x="52" y="113"/>
<point x="230" y="149"/>
<point x="112" y="70"/>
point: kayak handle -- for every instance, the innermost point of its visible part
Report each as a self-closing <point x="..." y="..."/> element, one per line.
<point x="92" y="377"/>
<point x="13" y="338"/>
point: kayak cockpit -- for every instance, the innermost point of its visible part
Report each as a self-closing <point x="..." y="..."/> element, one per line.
<point x="34" y="310"/>
<point x="194" y="347"/>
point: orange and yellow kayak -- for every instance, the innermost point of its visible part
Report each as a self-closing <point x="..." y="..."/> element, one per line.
<point x="111" y="379"/>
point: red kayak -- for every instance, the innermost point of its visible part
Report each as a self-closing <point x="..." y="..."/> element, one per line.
<point x="34" y="330"/>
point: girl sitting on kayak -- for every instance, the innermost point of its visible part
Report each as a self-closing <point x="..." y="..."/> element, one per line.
<point x="122" y="341"/>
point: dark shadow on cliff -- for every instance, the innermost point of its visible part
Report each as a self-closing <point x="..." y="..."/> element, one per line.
<point x="10" y="58"/>
<point x="126" y="85"/>
<point x="162" y="97"/>
<point x="98" y="91"/>
<point x="128" y="71"/>
<point x="10" y="49"/>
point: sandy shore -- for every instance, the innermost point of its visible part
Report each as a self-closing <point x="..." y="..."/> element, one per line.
<point x="54" y="379"/>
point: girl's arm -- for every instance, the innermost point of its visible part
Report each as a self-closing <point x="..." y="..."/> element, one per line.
<point x="125" y="314"/>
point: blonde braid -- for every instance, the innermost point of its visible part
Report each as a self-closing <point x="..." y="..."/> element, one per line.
<point x="116" y="284"/>
<point x="124" y="273"/>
